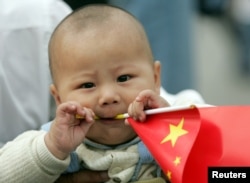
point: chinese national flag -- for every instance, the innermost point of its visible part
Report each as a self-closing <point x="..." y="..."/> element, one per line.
<point x="186" y="142"/>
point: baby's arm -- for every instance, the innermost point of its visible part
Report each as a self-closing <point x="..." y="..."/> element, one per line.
<point x="147" y="99"/>
<point x="67" y="132"/>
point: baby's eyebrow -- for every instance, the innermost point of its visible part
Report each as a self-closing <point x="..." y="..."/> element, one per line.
<point x="88" y="74"/>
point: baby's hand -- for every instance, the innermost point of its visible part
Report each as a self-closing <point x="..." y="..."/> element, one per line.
<point x="67" y="132"/>
<point x="147" y="99"/>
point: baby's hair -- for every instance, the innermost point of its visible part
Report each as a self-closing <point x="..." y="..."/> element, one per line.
<point x="90" y="16"/>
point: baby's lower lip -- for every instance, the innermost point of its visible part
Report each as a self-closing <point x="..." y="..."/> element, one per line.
<point x="110" y="121"/>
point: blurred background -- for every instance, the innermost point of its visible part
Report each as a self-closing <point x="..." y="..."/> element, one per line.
<point x="222" y="52"/>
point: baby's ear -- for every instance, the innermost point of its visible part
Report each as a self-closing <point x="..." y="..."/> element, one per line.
<point x="55" y="94"/>
<point x="157" y="76"/>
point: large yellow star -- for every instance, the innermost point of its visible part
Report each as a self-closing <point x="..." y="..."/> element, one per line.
<point x="175" y="133"/>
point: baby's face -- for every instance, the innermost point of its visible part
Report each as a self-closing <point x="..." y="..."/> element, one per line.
<point x="105" y="73"/>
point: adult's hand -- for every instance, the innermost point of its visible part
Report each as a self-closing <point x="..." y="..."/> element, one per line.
<point x="84" y="176"/>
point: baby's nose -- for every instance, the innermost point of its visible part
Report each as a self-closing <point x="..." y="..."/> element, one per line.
<point x="109" y="96"/>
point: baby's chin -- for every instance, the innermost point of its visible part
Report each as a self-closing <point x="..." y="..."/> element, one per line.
<point x="116" y="142"/>
<point x="111" y="136"/>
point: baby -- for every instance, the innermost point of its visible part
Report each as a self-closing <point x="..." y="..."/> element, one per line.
<point x="102" y="65"/>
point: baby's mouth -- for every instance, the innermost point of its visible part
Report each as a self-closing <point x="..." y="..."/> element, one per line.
<point x="106" y="118"/>
<point x="111" y="116"/>
<point x="110" y="121"/>
<point x="118" y="116"/>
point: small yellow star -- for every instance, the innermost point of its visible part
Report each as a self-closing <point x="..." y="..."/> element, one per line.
<point x="177" y="160"/>
<point x="175" y="133"/>
<point x="169" y="175"/>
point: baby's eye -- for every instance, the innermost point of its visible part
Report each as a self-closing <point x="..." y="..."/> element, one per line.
<point x="123" y="78"/>
<point x="87" y="85"/>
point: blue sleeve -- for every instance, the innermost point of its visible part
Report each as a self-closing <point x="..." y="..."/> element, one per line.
<point x="145" y="155"/>
<point x="74" y="165"/>
<point x="46" y="126"/>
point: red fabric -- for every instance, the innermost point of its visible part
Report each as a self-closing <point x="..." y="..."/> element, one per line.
<point x="211" y="136"/>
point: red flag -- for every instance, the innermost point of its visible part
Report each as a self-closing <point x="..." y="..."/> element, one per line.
<point x="186" y="142"/>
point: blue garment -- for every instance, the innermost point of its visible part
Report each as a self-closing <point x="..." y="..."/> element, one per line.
<point x="145" y="156"/>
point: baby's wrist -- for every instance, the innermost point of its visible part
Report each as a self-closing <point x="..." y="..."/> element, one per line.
<point x="53" y="148"/>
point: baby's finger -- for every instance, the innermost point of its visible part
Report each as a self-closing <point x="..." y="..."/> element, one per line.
<point x="66" y="108"/>
<point x="136" y="111"/>
<point x="89" y="115"/>
<point x="151" y="100"/>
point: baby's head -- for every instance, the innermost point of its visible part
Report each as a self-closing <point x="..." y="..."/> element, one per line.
<point x="101" y="58"/>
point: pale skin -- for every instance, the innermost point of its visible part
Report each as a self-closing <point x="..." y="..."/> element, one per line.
<point x="119" y="78"/>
